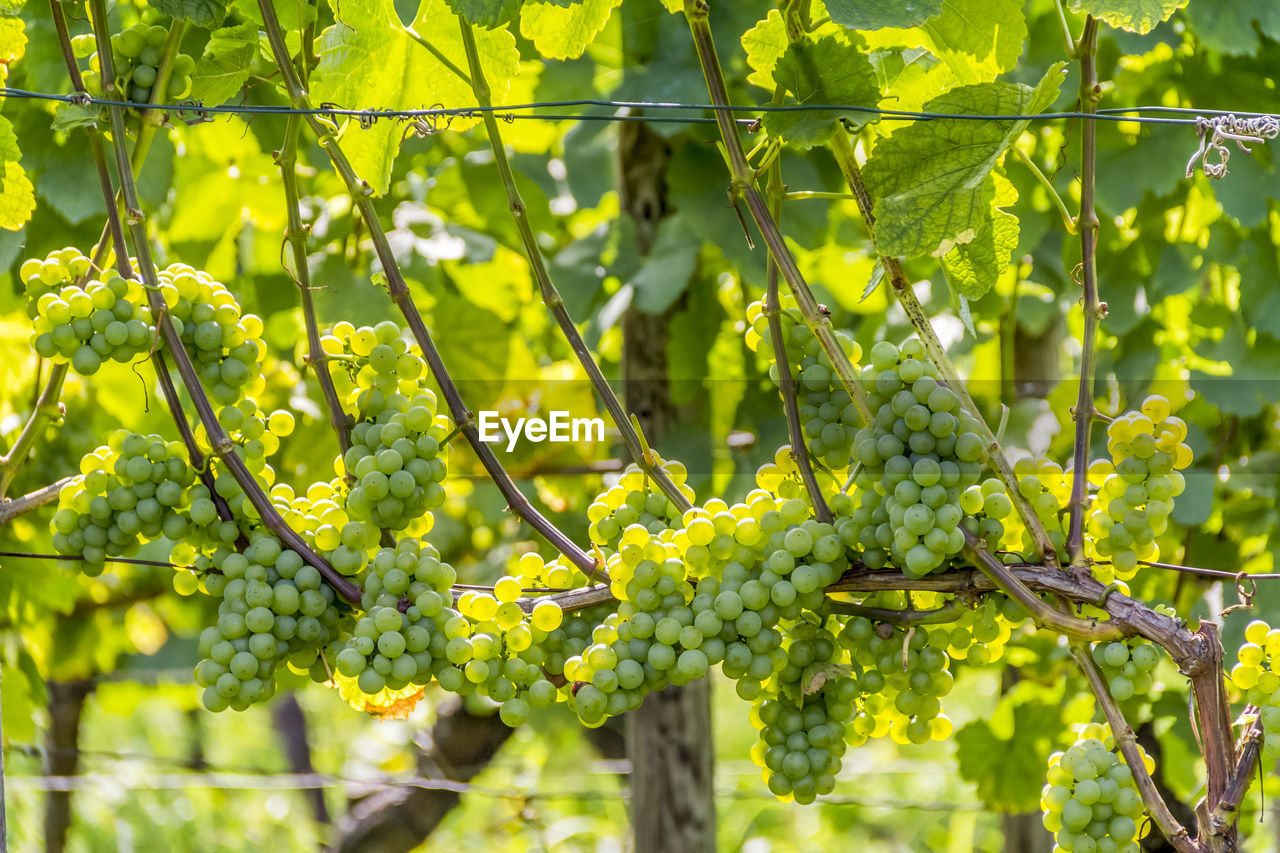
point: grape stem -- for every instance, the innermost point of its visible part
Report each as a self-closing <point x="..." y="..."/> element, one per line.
<point x="361" y="195"/>
<point x="743" y="176"/>
<point x="1222" y="820"/>
<point x="115" y="231"/>
<point x="11" y="509"/>
<point x="786" y="382"/>
<point x="296" y="236"/>
<point x="629" y="432"/>
<point x="218" y="439"/>
<point x="1127" y="742"/>
<point x="949" y="612"/>
<point x="844" y="155"/>
<point x="1087" y="226"/>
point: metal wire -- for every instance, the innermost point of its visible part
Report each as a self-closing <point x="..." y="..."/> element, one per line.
<point x="513" y="112"/>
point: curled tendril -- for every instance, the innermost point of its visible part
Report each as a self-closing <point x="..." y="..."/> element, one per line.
<point x="1215" y="131"/>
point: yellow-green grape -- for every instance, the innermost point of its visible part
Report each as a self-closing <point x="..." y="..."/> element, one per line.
<point x="1257" y="675"/>
<point x="918" y="459"/>
<point x="1090" y="801"/>
<point x="1128" y="666"/>
<point x="635" y="500"/>
<point x="322" y="517"/>
<point x="979" y="636"/>
<point x="1047" y="489"/>
<point x="1136" y="492"/>
<point x="132" y="490"/>
<point x="828" y="416"/>
<point x="904" y="678"/>
<point x="137" y="54"/>
<point x="225" y="346"/>
<point x="274" y="609"/>
<point x="83" y="319"/>
<point x="802" y="715"/>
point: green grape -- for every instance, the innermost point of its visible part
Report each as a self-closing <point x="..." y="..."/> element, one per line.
<point x="1090" y="800"/>
<point x="1137" y="486"/>
<point x="1128" y="667"/>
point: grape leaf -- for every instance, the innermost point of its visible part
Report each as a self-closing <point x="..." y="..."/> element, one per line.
<point x="69" y="116"/>
<point x="668" y="268"/>
<point x="293" y="16"/>
<point x="1136" y="16"/>
<point x="1006" y="756"/>
<point x="1227" y="25"/>
<point x="485" y="13"/>
<point x="369" y="59"/>
<point x="560" y="32"/>
<point x="929" y="178"/>
<point x="765" y="43"/>
<point x="225" y="64"/>
<point x="13" y="43"/>
<point x="831" y="69"/>
<point x="675" y="7"/>
<point x="978" y="39"/>
<point x="17" y="196"/>
<point x="877" y="14"/>
<point x="972" y="268"/>
<point x="206" y="14"/>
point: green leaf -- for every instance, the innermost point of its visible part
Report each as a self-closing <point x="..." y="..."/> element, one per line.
<point x="675" y="7"/>
<point x="564" y="33"/>
<point x="1227" y="25"/>
<point x="765" y="43"/>
<point x="69" y="116"/>
<point x="668" y="268"/>
<point x="978" y="39"/>
<point x="202" y="13"/>
<point x="293" y="16"/>
<point x="369" y="59"/>
<point x="17" y="197"/>
<point x="13" y="43"/>
<point x="1136" y="16"/>
<point x="929" y="179"/>
<point x="877" y="14"/>
<point x="485" y="13"/>
<point x="832" y="69"/>
<point x="972" y="268"/>
<point x="225" y="64"/>
<point x="1007" y="755"/>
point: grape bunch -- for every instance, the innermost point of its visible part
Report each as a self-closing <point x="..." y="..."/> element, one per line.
<point x="102" y="319"/>
<point x="635" y="500"/>
<point x="1256" y="674"/>
<point x="802" y="717"/>
<point x="979" y="636"/>
<point x="130" y="490"/>
<point x="255" y="434"/>
<point x="396" y="456"/>
<point x="321" y="516"/>
<point x="1137" y="487"/>
<point x="136" y="54"/>
<point x="225" y="346"/>
<point x="1046" y="488"/>
<point x="1128" y="667"/>
<point x="904" y="676"/>
<point x="1090" y="801"/>
<point x="828" y="415"/>
<point x="372" y="363"/>
<point x="921" y="462"/>
<point x="274" y="609"/>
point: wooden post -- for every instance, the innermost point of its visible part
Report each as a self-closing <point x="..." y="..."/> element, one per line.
<point x="669" y="736"/>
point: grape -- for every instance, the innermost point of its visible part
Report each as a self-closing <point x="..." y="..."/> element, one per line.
<point x="828" y="414"/>
<point x="82" y="319"/>
<point x="136" y="54"/>
<point x="1090" y="801"/>
<point x="1137" y="487"/>
<point x="1128" y="667"/>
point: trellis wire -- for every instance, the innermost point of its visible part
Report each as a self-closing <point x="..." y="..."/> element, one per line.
<point x="513" y="112"/>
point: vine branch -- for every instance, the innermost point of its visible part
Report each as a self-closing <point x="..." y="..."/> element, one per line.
<point x="399" y="291"/>
<point x="629" y="432"/>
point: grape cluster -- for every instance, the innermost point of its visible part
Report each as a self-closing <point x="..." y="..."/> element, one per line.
<point x="84" y="324"/>
<point x="130" y="490"/>
<point x="371" y="363"/>
<point x="1257" y="675"/>
<point x="922" y="460"/>
<point x="802" y="717"/>
<point x="136" y="55"/>
<point x="1138" y="485"/>
<point x="395" y="455"/>
<point x="321" y="516"/>
<point x="979" y="636"/>
<point x="828" y="415"/>
<point x="225" y="346"/>
<point x="1128" y="667"/>
<point x="904" y="676"/>
<point x="1046" y="488"/>
<point x="255" y="434"/>
<point x="274" y="609"/>
<point x="1090" y="801"/>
